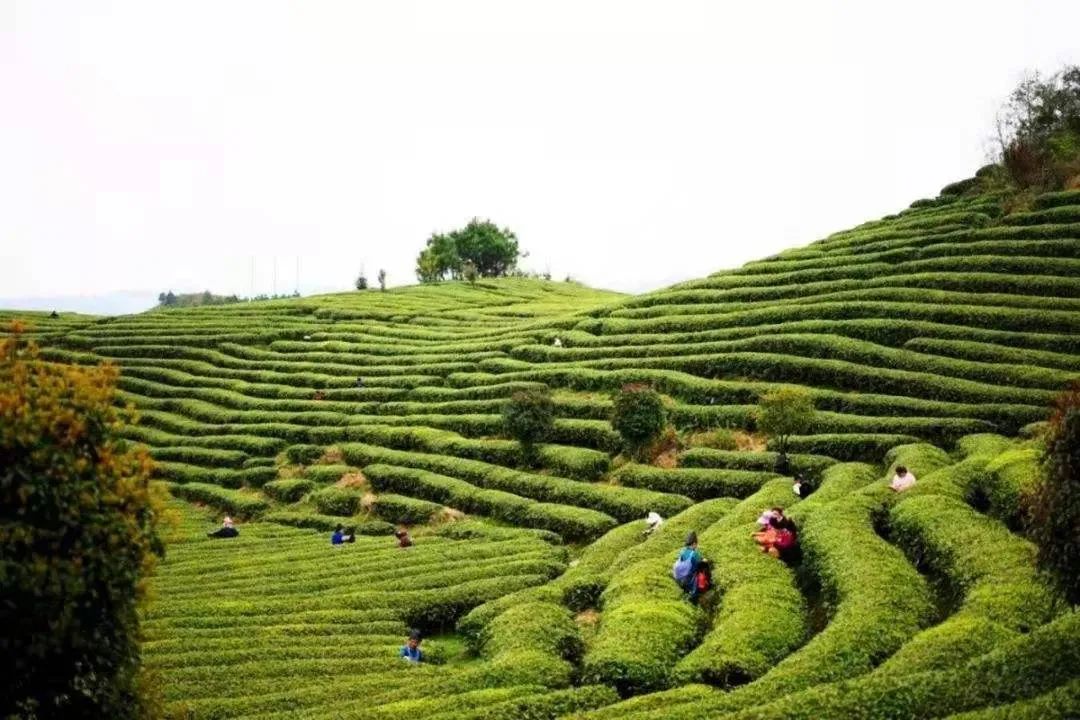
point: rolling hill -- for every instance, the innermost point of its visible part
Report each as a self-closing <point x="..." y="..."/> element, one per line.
<point x="934" y="338"/>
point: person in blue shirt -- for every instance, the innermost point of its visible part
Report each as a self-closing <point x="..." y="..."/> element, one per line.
<point x="411" y="649"/>
<point x="340" y="536"/>
<point x="686" y="565"/>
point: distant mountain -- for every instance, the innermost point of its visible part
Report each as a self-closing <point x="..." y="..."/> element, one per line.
<point x="115" y="303"/>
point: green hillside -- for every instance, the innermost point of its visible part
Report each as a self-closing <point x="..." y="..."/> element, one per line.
<point x="934" y="338"/>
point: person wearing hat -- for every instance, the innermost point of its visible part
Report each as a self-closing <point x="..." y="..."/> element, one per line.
<point x="411" y="649"/>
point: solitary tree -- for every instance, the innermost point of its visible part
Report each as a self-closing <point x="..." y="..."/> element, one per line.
<point x="783" y="413"/>
<point x="528" y="417"/>
<point x="493" y="251"/>
<point x="361" y="281"/>
<point x="382" y="280"/>
<point x="638" y="416"/>
<point x="1054" y="504"/>
<point x="78" y="535"/>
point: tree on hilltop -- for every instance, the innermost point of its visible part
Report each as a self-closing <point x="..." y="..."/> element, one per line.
<point x="1038" y="130"/>
<point x="493" y="252"/>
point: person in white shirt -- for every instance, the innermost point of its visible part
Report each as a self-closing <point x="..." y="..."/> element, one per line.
<point x="652" y="521"/>
<point x="557" y="343"/>
<point x="902" y="480"/>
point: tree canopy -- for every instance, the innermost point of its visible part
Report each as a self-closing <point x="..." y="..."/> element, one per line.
<point x="492" y="251"/>
<point x="783" y="413"/>
<point x="1039" y="130"/>
<point x="78" y="534"/>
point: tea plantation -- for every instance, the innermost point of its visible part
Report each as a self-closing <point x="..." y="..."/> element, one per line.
<point x="934" y="339"/>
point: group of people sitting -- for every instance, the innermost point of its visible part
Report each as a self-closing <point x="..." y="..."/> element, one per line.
<point x="778" y="536"/>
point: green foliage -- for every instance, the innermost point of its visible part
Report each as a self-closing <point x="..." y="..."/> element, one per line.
<point x="361" y="281"/>
<point x="480" y="249"/>
<point x="783" y="413"/>
<point x="570" y="522"/>
<point x="696" y="483"/>
<point x="233" y="502"/>
<point x="327" y="523"/>
<point x="404" y="510"/>
<point x="288" y="490"/>
<point x="638" y="416"/>
<point x="1054" y="507"/>
<point x="529" y="417"/>
<point x="336" y="501"/>
<point x="78" y="534"/>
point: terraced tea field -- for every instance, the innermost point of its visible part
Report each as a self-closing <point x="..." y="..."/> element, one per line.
<point x="934" y="338"/>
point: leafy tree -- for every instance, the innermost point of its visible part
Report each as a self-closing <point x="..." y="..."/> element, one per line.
<point x="167" y="299"/>
<point x="494" y="252"/>
<point x="1054" y="504"/>
<point x="1039" y="130"/>
<point x="469" y="271"/>
<point x="361" y="281"/>
<point x="528" y="417"/>
<point x="638" y="416"/>
<point x="783" y="413"/>
<point x="382" y="280"/>
<point x="428" y="267"/>
<point x="78" y="535"/>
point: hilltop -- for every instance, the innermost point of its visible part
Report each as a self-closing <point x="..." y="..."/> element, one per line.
<point x="933" y="338"/>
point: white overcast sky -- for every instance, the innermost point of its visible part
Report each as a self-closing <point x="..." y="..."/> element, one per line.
<point x="150" y="145"/>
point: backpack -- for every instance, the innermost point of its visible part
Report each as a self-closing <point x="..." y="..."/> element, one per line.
<point x="681" y="569"/>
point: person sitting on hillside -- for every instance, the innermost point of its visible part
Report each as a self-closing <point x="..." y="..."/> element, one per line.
<point x="767" y="515"/>
<point x="652" y="522"/>
<point x="786" y="545"/>
<point x="359" y="382"/>
<point x="342" y="535"/>
<point x="686" y="564"/>
<point x="902" y="480"/>
<point x="411" y="651"/>
<point x="403" y="538"/>
<point x="766" y="537"/>
<point x="801" y="486"/>
<point x="226" y="530"/>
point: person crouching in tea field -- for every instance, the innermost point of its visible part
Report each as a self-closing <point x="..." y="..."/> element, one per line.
<point x="226" y="530"/>
<point x="343" y="535"/>
<point x="411" y="649"/>
<point x="403" y="538"/>
<point x="686" y="564"/>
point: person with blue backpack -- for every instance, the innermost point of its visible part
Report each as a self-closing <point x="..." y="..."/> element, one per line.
<point x="686" y="565"/>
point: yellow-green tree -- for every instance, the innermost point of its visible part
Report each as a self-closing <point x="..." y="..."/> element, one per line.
<point x="78" y="537"/>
